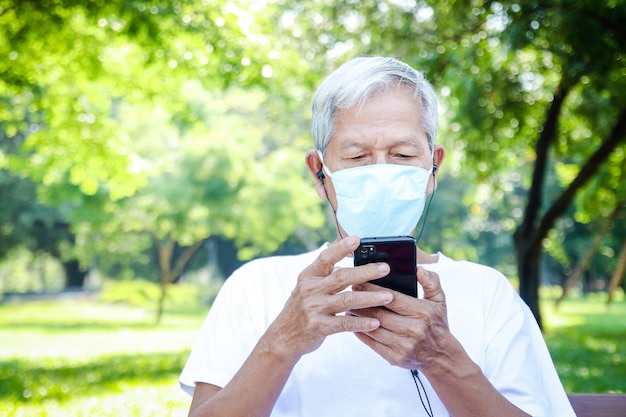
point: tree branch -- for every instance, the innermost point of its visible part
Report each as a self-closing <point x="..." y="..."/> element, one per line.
<point x="184" y="258"/>
<point x="164" y="255"/>
<point x="582" y="266"/>
<point x="542" y="148"/>
<point x="617" y="134"/>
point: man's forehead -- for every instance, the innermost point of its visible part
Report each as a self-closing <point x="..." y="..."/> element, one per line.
<point x="358" y="141"/>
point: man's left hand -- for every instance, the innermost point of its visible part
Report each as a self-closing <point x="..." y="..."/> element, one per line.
<point x="413" y="332"/>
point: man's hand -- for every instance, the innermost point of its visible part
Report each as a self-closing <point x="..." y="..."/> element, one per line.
<point x="314" y="309"/>
<point x="310" y="314"/>
<point x="413" y="333"/>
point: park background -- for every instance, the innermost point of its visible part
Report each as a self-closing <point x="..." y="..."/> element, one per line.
<point x="148" y="148"/>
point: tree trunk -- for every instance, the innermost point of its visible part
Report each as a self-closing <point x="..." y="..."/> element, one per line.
<point x="164" y="251"/>
<point x="74" y="274"/>
<point x="528" y="267"/>
<point x="169" y="273"/>
<point x="582" y="266"/>
<point x="161" y="303"/>
<point x="529" y="235"/>
<point x="618" y="275"/>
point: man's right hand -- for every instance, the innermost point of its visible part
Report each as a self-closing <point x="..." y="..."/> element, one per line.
<point x="313" y="312"/>
<point x="315" y="307"/>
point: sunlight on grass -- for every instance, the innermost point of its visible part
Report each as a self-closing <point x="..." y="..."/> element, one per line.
<point x="90" y="329"/>
<point x="88" y="358"/>
<point x="587" y="340"/>
<point x="160" y="399"/>
<point x="91" y="358"/>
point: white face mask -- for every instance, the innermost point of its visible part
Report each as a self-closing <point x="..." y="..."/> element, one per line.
<point x="379" y="199"/>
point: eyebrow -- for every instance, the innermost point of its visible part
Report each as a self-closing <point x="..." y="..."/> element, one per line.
<point x="411" y="141"/>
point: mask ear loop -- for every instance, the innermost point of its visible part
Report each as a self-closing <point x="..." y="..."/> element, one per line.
<point x="423" y="220"/>
<point x="320" y="175"/>
<point x="424" y="217"/>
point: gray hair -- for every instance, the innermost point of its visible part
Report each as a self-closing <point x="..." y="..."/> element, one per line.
<point x="359" y="79"/>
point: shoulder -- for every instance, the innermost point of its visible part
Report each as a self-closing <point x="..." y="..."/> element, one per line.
<point x="275" y="265"/>
<point x="457" y="273"/>
<point x="257" y="291"/>
<point x="473" y="285"/>
<point x="273" y="274"/>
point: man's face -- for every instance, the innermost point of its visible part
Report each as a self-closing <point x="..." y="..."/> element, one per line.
<point x="387" y="129"/>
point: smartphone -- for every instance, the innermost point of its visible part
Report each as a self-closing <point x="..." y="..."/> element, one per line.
<point x="399" y="253"/>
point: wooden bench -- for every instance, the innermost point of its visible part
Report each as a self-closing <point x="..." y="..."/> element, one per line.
<point x="598" y="405"/>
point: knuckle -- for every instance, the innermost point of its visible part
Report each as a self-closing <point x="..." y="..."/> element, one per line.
<point x="315" y="326"/>
<point x="379" y="314"/>
<point x="325" y="257"/>
<point x="347" y="299"/>
<point x="304" y="289"/>
<point x="306" y="272"/>
<point x="406" y="346"/>
<point x="341" y="276"/>
<point x="348" y="324"/>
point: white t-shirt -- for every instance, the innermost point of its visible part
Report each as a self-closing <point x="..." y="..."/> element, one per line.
<point x="344" y="377"/>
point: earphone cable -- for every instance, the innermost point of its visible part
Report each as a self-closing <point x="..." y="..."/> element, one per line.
<point x="333" y="209"/>
<point x="425" y="216"/>
<point x="416" y="379"/>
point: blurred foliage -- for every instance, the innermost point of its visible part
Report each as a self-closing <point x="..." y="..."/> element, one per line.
<point x="133" y="131"/>
<point x="31" y="272"/>
<point x="110" y="114"/>
<point x="136" y="292"/>
<point x="142" y="293"/>
<point x="527" y="89"/>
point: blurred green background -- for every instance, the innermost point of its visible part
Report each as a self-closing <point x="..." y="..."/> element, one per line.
<point x="83" y="356"/>
<point x="149" y="148"/>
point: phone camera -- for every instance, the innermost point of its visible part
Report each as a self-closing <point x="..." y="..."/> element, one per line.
<point x="366" y="251"/>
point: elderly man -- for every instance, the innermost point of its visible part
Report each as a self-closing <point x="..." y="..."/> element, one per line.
<point x="310" y="335"/>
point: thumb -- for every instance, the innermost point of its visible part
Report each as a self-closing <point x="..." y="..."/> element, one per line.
<point x="431" y="284"/>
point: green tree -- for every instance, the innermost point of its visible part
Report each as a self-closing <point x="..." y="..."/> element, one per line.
<point x="26" y="223"/>
<point x="526" y="88"/>
<point x="72" y="72"/>
<point x="229" y="172"/>
<point x="529" y="91"/>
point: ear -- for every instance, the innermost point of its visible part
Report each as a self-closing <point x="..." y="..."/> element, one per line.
<point x="314" y="164"/>
<point x="439" y="154"/>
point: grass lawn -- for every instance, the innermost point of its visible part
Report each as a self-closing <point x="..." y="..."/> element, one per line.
<point x="89" y="358"/>
<point x="587" y="340"/>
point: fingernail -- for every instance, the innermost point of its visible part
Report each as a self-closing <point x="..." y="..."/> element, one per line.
<point x="383" y="267"/>
<point x="386" y="297"/>
<point x="373" y="324"/>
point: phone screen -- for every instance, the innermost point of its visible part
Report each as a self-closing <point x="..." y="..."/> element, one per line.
<point x="399" y="253"/>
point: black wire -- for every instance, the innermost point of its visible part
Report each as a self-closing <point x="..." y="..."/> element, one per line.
<point x="423" y="219"/>
<point x="333" y="209"/>
<point x="416" y="378"/>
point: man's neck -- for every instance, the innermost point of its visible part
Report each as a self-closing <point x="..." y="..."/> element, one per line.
<point x="425" y="258"/>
